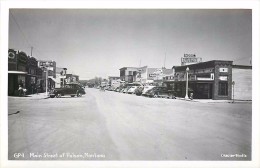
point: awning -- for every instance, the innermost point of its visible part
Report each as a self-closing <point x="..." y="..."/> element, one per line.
<point x="54" y="79"/>
<point x="17" y="72"/>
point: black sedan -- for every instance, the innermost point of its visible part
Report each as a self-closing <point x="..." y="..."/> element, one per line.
<point x="69" y="89"/>
<point x="162" y="92"/>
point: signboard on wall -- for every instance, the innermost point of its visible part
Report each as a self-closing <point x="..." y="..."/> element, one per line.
<point x="223" y="69"/>
<point x="11" y="54"/>
<point x="190" y="59"/>
<point x="157" y="74"/>
<point x="223" y="78"/>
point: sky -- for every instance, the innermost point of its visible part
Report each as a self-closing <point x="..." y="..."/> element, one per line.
<point x="98" y="42"/>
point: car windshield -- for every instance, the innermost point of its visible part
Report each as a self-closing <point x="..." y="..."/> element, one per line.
<point x="67" y="86"/>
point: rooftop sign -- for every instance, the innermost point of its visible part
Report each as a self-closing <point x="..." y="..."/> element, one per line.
<point x="190" y="59"/>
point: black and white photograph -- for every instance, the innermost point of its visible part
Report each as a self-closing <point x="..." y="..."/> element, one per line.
<point x="129" y="84"/>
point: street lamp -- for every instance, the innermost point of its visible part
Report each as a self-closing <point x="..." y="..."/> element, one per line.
<point x="187" y="78"/>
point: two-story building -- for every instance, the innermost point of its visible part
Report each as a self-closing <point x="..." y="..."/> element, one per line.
<point x="71" y="78"/>
<point x="49" y="73"/>
<point x="60" y="77"/>
<point x="128" y="74"/>
<point x="31" y="77"/>
<point x="17" y="64"/>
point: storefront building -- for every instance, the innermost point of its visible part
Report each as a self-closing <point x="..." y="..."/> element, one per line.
<point x="206" y="80"/>
<point x="128" y="74"/>
<point x="144" y="75"/>
<point x="31" y="77"/>
<point x="50" y="66"/>
<point x="17" y="64"/>
<point x="114" y="81"/>
<point x="60" y="77"/>
<point x="71" y="78"/>
<point x="148" y="75"/>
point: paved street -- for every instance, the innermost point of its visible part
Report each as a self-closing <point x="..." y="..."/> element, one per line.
<point x="115" y="126"/>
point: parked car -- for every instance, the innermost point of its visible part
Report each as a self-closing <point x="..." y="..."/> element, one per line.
<point x="139" y="90"/>
<point x="132" y="89"/>
<point x="160" y="91"/>
<point x="146" y="88"/>
<point x="126" y="89"/>
<point x="117" y="89"/>
<point x="69" y="89"/>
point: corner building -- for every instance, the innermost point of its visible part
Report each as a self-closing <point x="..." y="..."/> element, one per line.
<point x="207" y="80"/>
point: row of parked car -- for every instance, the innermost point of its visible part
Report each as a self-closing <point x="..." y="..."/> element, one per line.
<point x="149" y="91"/>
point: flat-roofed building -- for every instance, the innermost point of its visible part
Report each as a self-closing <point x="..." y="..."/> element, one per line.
<point x="206" y="80"/>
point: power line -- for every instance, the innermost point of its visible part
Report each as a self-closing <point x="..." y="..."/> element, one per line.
<point x="24" y="36"/>
<point x="27" y="41"/>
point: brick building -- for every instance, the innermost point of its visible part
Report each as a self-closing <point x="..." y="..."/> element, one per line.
<point x="207" y="80"/>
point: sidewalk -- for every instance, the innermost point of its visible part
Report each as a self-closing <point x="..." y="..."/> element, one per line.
<point x="38" y="96"/>
<point x="215" y="101"/>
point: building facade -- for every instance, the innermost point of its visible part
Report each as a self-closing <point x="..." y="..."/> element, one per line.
<point x="71" y="78"/>
<point x="128" y="74"/>
<point x="60" y="77"/>
<point x="17" y="64"/>
<point x="50" y="76"/>
<point x="206" y="80"/>
<point x="148" y="75"/>
<point x="144" y="75"/>
<point x="242" y="77"/>
<point x="114" y="81"/>
<point x="31" y="77"/>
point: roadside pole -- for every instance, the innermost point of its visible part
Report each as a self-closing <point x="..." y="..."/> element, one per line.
<point x="47" y="76"/>
<point x="46" y="81"/>
<point x="233" y="85"/>
<point x="187" y="83"/>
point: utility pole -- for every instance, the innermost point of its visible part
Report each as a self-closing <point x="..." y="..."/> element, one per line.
<point x="47" y="83"/>
<point x="164" y="60"/>
<point x="31" y="51"/>
<point x="187" y="83"/>
<point x="233" y="85"/>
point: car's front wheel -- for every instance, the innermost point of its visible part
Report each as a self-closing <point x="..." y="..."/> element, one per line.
<point x="58" y="95"/>
<point x="79" y="94"/>
<point x="52" y="96"/>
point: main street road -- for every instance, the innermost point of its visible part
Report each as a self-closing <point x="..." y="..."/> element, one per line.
<point x="115" y="126"/>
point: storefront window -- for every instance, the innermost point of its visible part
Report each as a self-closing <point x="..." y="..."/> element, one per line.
<point x="223" y="88"/>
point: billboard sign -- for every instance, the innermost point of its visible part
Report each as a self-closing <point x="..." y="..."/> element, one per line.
<point x="190" y="59"/>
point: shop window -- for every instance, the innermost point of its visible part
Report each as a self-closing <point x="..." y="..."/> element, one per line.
<point x="223" y="88"/>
